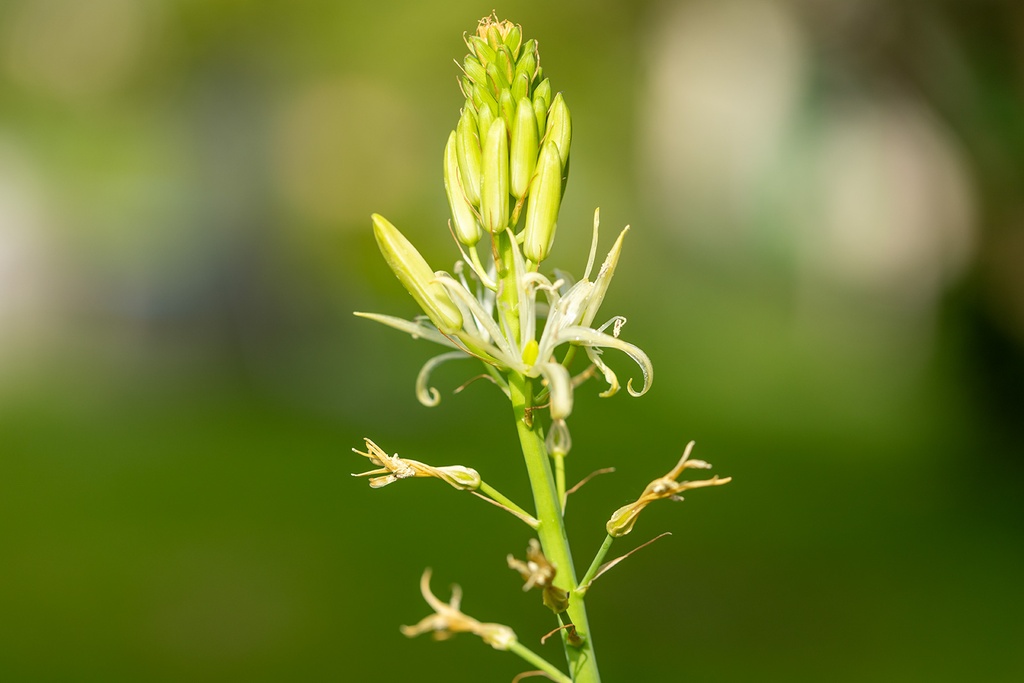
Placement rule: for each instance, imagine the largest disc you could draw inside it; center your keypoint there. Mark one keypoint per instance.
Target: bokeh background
(826, 267)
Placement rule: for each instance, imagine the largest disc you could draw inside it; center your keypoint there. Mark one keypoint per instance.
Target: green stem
(544, 665)
(551, 532)
(560, 479)
(496, 495)
(595, 565)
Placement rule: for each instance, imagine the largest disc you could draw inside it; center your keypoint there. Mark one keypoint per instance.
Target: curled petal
(591, 338)
(428, 395)
(417, 328)
(559, 388)
(609, 375)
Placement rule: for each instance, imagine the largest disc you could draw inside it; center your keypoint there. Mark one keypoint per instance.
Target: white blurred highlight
(868, 198)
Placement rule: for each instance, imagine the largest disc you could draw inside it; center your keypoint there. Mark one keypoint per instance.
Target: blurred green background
(826, 267)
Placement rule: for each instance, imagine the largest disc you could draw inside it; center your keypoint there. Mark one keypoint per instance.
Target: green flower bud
(475, 70)
(497, 77)
(467, 230)
(482, 98)
(507, 108)
(494, 38)
(467, 146)
(520, 87)
(480, 49)
(542, 208)
(540, 113)
(523, 152)
(528, 62)
(506, 64)
(513, 39)
(543, 92)
(559, 127)
(484, 118)
(494, 181)
(416, 276)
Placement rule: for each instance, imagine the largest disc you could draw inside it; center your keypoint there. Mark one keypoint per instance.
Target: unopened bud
(523, 153)
(494, 178)
(467, 230)
(480, 49)
(499, 80)
(559, 127)
(482, 98)
(543, 92)
(528, 62)
(475, 70)
(542, 208)
(467, 148)
(416, 276)
(507, 108)
(513, 40)
(520, 87)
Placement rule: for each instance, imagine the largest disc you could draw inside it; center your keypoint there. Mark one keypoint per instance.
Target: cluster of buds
(510, 148)
(505, 169)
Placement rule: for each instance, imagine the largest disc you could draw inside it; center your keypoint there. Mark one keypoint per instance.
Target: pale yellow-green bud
(482, 98)
(499, 80)
(543, 92)
(467, 146)
(513, 39)
(542, 207)
(559, 127)
(484, 119)
(494, 178)
(523, 153)
(505, 64)
(528, 62)
(507, 108)
(520, 87)
(416, 276)
(475, 70)
(540, 113)
(467, 230)
(479, 47)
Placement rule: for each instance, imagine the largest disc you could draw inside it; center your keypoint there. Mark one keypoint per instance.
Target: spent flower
(623, 519)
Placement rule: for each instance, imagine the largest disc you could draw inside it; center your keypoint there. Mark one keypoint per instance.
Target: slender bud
(507, 108)
(506, 64)
(528, 62)
(543, 92)
(467, 146)
(559, 127)
(416, 276)
(484, 119)
(480, 49)
(540, 113)
(523, 153)
(467, 230)
(475, 70)
(498, 79)
(482, 99)
(520, 87)
(494, 181)
(513, 39)
(542, 208)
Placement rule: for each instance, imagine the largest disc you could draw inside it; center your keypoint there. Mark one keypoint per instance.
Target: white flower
(563, 311)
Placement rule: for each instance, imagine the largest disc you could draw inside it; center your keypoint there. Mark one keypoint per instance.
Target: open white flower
(563, 312)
